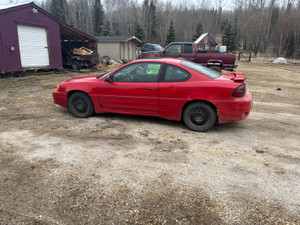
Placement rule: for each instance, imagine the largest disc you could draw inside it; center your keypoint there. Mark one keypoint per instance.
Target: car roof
(160, 60)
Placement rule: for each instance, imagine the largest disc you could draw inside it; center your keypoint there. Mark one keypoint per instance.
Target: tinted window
(174, 73)
(188, 48)
(201, 69)
(138, 72)
(176, 48)
(147, 46)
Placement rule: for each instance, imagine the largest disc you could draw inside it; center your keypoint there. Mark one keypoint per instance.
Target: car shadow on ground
(139, 119)
(227, 127)
(234, 126)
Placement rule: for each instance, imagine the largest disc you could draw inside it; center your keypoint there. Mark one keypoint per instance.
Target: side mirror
(109, 78)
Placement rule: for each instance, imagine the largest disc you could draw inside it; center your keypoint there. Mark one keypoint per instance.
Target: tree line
(259, 26)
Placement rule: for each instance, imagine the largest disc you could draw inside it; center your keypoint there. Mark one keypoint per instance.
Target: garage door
(33, 45)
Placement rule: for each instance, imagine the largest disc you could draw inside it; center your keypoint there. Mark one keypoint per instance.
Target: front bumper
(60, 98)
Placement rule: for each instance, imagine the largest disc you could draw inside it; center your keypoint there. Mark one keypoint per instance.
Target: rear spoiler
(237, 76)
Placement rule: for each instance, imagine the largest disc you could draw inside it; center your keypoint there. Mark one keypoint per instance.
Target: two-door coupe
(170, 88)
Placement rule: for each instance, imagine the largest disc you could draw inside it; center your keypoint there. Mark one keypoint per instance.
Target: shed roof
(117, 39)
(67, 30)
(11, 5)
(203, 36)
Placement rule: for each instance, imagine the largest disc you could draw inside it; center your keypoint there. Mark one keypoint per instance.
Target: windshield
(201, 69)
(157, 47)
(104, 74)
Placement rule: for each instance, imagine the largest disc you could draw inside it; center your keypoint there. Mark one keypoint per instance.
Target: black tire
(199, 116)
(81, 105)
(106, 58)
(216, 68)
(76, 65)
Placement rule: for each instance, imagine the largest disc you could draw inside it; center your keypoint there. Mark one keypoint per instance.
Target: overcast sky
(226, 3)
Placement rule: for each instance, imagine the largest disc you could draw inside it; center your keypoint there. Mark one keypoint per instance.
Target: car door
(173, 51)
(188, 53)
(131, 89)
(173, 91)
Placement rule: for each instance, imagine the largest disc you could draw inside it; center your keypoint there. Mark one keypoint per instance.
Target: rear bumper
(229, 67)
(234, 110)
(59, 98)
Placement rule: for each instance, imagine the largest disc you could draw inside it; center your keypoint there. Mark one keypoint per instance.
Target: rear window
(188, 48)
(201, 69)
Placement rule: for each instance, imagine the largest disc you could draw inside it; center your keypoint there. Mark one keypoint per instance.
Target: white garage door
(33, 45)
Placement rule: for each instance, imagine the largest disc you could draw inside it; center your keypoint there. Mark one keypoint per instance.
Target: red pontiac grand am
(170, 88)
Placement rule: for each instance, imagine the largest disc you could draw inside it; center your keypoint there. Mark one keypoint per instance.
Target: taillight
(239, 91)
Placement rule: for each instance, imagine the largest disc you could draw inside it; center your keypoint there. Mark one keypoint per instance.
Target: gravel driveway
(121, 169)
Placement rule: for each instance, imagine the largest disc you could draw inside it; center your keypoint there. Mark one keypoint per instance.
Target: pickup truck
(192, 52)
(151, 47)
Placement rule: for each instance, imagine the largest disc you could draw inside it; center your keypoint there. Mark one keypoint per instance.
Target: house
(31, 38)
(206, 42)
(118, 47)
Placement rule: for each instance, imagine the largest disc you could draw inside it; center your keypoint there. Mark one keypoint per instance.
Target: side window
(176, 48)
(188, 48)
(176, 74)
(138, 72)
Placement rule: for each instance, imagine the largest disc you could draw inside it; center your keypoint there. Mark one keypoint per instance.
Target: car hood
(82, 79)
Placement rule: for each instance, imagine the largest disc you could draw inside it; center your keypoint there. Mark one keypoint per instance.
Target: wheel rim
(80, 105)
(199, 116)
(75, 66)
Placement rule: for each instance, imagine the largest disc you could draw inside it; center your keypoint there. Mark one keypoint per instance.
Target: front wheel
(199, 117)
(81, 105)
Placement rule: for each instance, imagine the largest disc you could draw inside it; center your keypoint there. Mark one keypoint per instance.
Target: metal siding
(109, 49)
(8, 27)
(33, 43)
(1, 56)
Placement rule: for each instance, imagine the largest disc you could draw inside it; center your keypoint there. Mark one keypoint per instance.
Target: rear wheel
(81, 105)
(199, 116)
(216, 68)
(76, 65)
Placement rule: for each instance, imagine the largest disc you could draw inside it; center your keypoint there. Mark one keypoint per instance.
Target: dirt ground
(120, 169)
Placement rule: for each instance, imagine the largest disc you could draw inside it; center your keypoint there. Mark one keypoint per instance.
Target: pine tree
(274, 16)
(146, 19)
(171, 37)
(198, 31)
(98, 17)
(138, 31)
(229, 38)
(152, 15)
(149, 20)
(107, 29)
(58, 8)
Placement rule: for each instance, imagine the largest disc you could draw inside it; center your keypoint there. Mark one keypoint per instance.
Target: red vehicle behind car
(169, 88)
(191, 52)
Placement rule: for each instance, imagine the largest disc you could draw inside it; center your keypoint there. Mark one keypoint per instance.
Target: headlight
(57, 87)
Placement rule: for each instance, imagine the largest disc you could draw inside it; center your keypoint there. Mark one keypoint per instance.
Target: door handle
(149, 89)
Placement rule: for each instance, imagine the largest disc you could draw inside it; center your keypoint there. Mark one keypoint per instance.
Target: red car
(170, 88)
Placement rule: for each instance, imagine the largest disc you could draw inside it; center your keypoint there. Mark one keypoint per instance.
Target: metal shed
(206, 42)
(118, 47)
(31, 38)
